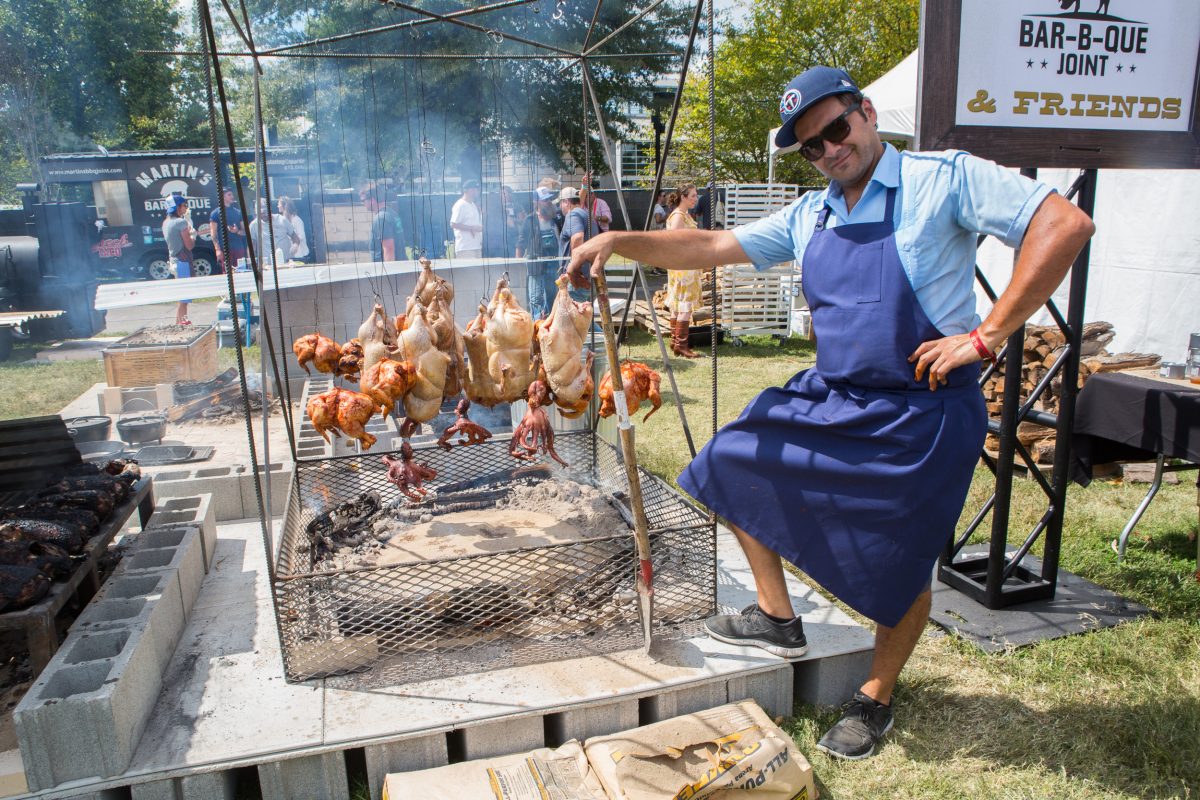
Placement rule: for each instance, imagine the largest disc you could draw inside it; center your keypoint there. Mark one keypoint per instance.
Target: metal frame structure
(997, 580)
(685, 537)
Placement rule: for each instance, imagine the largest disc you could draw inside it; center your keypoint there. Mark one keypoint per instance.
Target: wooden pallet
(755, 301)
(37, 621)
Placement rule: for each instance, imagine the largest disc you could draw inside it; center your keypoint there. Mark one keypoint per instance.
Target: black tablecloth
(1120, 417)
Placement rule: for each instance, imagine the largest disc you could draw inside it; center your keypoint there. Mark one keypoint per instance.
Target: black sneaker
(864, 722)
(752, 626)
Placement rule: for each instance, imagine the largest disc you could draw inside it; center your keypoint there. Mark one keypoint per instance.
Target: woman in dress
(683, 287)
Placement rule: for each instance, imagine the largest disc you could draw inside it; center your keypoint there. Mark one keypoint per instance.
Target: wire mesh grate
(450, 615)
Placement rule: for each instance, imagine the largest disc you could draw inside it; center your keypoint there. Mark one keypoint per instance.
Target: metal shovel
(645, 574)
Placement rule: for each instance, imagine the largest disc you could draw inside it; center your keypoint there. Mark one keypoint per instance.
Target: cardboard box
(718, 754)
(542, 774)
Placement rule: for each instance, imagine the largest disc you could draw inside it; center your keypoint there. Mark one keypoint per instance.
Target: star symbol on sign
(1120, 67)
(1132, 68)
(1029, 64)
(1043, 63)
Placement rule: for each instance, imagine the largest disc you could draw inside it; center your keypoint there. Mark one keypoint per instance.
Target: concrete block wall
(232, 489)
(84, 715)
(194, 511)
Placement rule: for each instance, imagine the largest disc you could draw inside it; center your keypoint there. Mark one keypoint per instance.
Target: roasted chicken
(351, 363)
(378, 337)
(341, 411)
(473, 432)
(321, 351)
(480, 387)
(428, 285)
(535, 433)
(447, 339)
(388, 382)
(417, 347)
(641, 385)
(560, 343)
(509, 335)
(408, 475)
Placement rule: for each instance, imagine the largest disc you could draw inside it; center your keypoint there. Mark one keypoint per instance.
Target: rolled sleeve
(770, 240)
(994, 200)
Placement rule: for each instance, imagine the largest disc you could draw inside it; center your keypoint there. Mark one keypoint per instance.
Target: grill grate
(453, 615)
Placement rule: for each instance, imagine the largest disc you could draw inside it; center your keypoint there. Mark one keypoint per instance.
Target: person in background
(386, 233)
(260, 234)
(467, 221)
(596, 205)
(555, 186)
(538, 242)
(835, 470)
(300, 241)
(684, 292)
(510, 216)
(177, 232)
(659, 220)
(578, 227)
(237, 232)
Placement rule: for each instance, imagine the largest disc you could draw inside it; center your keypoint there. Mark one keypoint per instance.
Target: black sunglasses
(835, 132)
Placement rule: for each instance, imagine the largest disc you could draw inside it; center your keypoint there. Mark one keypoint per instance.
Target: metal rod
(592, 27)
(1004, 471)
(632, 20)
(472, 26)
(610, 157)
(1142, 506)
(405, 56)
(1015, 561)
(411, 23)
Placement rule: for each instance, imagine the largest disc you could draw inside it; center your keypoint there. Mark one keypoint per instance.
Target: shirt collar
(886, 174)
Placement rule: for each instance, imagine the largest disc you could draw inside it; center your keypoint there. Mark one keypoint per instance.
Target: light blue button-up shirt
(945, 200)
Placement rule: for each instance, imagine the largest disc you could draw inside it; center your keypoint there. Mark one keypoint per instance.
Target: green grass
(1111, 714)
(31, 390)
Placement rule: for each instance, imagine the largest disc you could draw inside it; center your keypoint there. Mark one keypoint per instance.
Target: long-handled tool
(645, 575)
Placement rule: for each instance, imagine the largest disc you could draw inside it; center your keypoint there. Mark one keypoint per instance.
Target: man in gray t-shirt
(177, 231)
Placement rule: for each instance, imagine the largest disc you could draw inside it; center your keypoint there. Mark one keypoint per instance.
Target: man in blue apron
(856, 470)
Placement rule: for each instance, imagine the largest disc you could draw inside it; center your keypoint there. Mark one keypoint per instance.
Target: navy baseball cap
(173, 202)
(806, 90)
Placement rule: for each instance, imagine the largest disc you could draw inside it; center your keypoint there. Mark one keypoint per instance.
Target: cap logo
(847, 84)
(790, 101)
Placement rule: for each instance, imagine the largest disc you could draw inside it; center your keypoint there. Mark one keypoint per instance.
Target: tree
(755, 61)
(71, 77)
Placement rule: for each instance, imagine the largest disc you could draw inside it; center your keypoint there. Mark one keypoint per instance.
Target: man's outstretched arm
(678, 250)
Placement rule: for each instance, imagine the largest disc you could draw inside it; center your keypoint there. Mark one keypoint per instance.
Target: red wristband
(981, 348)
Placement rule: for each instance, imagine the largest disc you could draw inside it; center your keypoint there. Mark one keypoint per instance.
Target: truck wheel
(157, 267)
(6, 343)
(202, 265)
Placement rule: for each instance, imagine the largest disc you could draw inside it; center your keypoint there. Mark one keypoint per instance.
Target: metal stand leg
(1141, 509)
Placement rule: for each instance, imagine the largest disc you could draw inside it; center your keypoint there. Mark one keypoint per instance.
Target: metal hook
(558, 13)
(496, 36)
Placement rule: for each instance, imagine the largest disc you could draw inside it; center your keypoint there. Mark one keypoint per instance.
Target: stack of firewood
(1043, 347)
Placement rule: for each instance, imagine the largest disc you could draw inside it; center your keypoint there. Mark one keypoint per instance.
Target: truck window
(112, 202)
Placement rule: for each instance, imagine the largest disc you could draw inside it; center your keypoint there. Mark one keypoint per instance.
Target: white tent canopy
(1145, 259)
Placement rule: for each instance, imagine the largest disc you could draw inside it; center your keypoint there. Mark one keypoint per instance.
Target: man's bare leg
(767, 567)
(893, 646)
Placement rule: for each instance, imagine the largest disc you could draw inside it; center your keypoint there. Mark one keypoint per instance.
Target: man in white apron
(856, 470)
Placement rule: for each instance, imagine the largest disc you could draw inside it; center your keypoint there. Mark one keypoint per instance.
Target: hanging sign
(1084, 83)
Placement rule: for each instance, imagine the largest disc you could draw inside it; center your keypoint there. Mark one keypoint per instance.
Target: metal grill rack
(447, 616)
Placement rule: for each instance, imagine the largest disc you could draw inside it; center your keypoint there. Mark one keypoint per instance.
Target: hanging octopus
(535, 433)
(473, 431)
(408, 475)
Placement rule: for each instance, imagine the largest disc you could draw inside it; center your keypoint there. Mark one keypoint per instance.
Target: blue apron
(853, 471)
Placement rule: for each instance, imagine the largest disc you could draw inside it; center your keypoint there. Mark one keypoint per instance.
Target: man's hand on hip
(941, 356)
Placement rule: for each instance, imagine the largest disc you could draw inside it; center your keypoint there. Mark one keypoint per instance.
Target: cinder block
(197, 510)
(222, 483)
(831, 681)
(151, 602)
(320, 777)
(771, 690)
(84, 716)
(594, 720)
(407, 755)
(500, 738)
(209, 786)
(177, 549)
(281, 478)
(154, 790)
(687, 700)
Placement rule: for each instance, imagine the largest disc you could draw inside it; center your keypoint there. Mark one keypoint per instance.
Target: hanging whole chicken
(480, 387)
(509, 335)
(428, 286)
(417, 348)
(641, 385)
(342, 411)
(387, 382)
(319, 350)
(560, 341)
(378, 337)
(447, 339)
